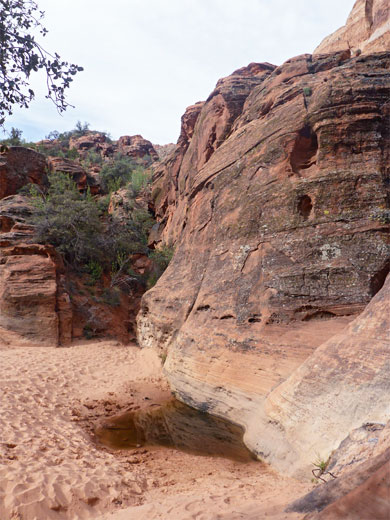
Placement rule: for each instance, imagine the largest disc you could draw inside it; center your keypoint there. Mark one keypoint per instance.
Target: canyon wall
(277, 199)
(367, 30)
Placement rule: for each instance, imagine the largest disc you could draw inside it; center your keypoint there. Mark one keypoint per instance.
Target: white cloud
(146, 60)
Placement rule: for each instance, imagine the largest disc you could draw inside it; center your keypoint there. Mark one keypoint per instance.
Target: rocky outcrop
(359, 494)
(33, 300)
(281, 238)
(71, 168)
(367, 30)
(164, 150)
(165, 178)
(92, 141)
(342, 386)
(20, 166)
(44, 303)
(204, 127)
(136, 146)
(80, 176)
(98, 142)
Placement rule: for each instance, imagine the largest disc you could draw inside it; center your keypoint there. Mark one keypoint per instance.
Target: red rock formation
(342, 386)
(91, 141)
(367, 30)
(164, 150)
(33, 299)
(20, 166)
(81, 177)
(204, 128)
(73, 169)
(278, 231)
(165, 179)
(133, 146)
(46, 304)
(360, 494)
(136, 146)
(369, 500)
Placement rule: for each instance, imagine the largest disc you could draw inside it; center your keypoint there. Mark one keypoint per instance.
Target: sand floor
(51, 468)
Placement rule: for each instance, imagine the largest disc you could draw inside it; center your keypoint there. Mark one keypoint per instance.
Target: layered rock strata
(278, 206)
(367, 30)
(33, 300)
(83, 179)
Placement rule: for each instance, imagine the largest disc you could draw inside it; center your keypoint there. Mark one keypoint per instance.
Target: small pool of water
(175, 425)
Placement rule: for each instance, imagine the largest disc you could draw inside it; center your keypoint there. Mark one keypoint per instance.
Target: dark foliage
(21, 55)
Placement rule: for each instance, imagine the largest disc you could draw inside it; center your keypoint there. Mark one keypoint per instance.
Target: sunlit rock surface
(367, 30)
(281, 234)
(33, 300)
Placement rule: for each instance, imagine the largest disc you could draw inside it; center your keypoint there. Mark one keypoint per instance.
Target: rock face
(92, 141)
(204, 127)
(33, 300)
(136, 146)
(359, 494)
(133, 146)
(342, 386)
(44, 303)
(83, 179)
(20, 166)
(367, 30)
(277, 202)
(164, 150)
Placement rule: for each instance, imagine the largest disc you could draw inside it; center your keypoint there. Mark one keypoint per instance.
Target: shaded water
(175, 425)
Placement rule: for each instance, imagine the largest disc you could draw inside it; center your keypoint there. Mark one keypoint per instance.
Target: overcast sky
(145, 61)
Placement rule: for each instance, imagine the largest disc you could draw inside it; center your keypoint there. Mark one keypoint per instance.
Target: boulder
(20, 166)
(137, 147)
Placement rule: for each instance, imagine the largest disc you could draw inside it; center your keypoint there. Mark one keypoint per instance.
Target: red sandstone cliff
(277, 198)
(367, 29)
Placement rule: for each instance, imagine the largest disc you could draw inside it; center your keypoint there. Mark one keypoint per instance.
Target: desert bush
(93, 158)
(95, 270)
(140, 178)
(112, 296)
(116, 173)
(123, 171)
(73, 223)
(68, 220)
(161, 258)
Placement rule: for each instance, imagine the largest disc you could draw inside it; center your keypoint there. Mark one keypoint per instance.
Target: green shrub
(162, 256)
(140, 178)
(121, 171)
(116, 173)
(95, 269)
(72, 154)
(103, 204)
(68, 220)
(93, 158)
(88, 332)
(112, 297)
